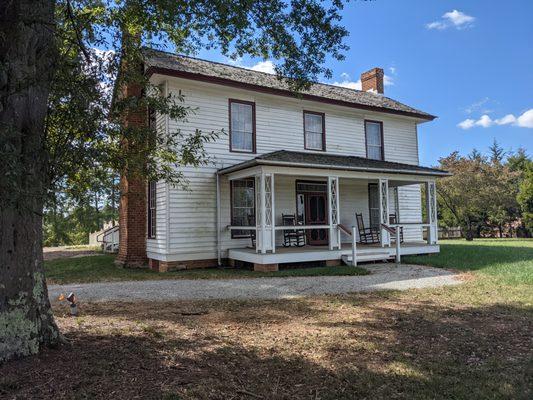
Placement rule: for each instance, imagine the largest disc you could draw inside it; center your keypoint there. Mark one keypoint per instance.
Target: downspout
(219, 260)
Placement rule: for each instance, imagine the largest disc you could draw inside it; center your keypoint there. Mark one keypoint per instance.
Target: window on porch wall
(242, 206)
(373, 205)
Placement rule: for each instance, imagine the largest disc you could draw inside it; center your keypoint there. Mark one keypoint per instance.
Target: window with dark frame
(314, 131)
(151, 209)
(242, 126)
(374, 140)
(373, 205)
(242, 206)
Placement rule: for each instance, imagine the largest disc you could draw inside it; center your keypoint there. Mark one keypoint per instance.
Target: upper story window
(151, 209)
(374, 140)
(314, 131)
(242, 126)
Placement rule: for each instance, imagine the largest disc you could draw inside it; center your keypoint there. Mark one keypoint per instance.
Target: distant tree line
(488, 194)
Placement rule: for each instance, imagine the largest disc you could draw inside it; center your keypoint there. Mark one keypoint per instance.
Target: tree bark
(27, 59)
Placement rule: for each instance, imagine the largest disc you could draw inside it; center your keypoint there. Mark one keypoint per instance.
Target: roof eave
(254, 162)
(280, 92)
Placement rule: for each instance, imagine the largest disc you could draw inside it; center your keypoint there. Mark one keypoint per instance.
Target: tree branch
(72, 18)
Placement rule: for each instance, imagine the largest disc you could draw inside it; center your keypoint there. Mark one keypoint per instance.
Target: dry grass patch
(413, 345)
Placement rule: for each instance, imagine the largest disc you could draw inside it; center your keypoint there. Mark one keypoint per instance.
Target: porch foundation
(165, 266)
(266, 267)
(333, 263)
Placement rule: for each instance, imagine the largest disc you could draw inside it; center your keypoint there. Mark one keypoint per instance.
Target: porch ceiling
(330, 161)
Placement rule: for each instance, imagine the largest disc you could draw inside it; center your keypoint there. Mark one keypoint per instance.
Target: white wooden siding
(190, 218)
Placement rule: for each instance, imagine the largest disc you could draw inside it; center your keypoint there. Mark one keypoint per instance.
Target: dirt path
(382, 277)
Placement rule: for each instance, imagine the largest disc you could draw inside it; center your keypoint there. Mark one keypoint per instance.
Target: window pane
(373, 203)
(373, 140)
(313, 123)
(314, 141)
(243, 206)
(314, 134)
(374, 152)
(241, 126)
(373, 133)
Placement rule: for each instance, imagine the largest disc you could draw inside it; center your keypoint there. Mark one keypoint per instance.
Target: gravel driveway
(382, 277)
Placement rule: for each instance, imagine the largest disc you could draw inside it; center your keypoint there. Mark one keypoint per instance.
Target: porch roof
(331, 161)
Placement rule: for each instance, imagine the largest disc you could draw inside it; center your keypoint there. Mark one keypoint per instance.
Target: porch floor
(321, 253)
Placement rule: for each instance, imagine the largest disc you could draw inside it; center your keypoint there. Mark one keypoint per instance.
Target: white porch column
(431, 208)
(264, 213)
(333, 212)
(383, 194)
(272, 214)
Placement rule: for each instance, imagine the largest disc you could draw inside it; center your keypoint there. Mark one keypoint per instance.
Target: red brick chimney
(132, 209)
(372, 80)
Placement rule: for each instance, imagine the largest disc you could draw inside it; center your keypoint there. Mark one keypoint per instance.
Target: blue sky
(460, 60)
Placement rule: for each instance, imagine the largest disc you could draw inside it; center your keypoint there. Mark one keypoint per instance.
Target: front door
(316, 214)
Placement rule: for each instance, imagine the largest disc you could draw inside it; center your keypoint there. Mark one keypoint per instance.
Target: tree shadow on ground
(343, 347)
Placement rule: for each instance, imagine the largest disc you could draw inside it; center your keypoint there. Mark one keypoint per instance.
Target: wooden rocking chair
(366, 235)
(292, 237)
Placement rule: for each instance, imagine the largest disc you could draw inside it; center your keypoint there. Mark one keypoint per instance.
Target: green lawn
(511, 260)
(501, 270)
(98, 268)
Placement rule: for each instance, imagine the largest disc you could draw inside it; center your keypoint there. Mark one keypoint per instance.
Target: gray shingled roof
(168, 63)
(331, 161)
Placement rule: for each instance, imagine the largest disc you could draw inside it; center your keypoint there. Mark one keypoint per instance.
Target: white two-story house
(328, 175)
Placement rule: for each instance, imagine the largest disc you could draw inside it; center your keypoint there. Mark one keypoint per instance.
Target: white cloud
(392, 70)
(484, 121)
(345, 76)
(525, 120)
(454, 18)
(436, 25)
(234, 61)
(467, 124)
(508, 119)
(476, 106)
(458, 18)
(264, 66)
(347, 82)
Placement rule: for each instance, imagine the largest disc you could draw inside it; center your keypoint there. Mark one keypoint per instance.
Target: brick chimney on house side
(372, 80)
(132, 209)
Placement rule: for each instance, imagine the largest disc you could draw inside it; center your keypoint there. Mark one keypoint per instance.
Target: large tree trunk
(27, 59)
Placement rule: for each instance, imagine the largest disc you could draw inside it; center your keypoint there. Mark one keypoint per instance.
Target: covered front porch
(322, 203)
